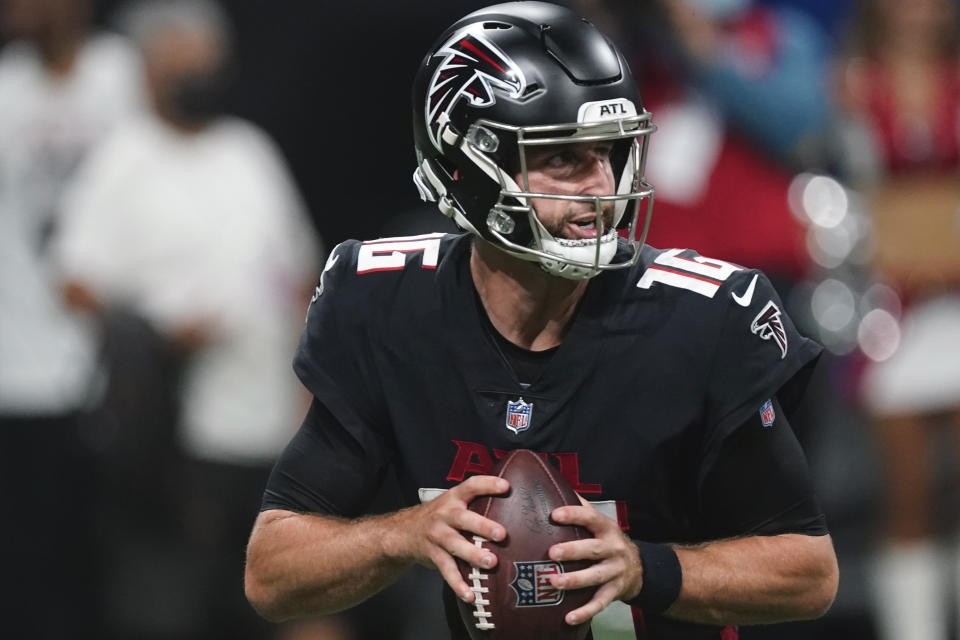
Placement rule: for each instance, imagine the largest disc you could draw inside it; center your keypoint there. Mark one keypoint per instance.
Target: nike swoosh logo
(744, 300)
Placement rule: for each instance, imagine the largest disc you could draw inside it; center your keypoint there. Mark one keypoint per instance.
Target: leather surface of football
(515, 600)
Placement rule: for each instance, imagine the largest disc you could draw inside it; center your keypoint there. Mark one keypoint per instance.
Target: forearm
(302, 564)
(756, 580)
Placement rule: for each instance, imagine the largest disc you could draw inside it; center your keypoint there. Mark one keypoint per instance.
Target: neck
(183, 127)
(528, 306)
(59, 52)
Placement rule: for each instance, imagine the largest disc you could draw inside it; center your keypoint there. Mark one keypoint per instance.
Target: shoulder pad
(684, 270)
(363, 272)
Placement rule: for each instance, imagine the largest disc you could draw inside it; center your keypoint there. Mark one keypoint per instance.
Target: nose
(598, 178)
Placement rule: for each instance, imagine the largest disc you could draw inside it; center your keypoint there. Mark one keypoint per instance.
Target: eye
(561, 159)
(603, 149)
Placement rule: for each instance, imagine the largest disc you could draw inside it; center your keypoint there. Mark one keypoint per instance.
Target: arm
(299, 564)
(757, 580)
(307, 564)
(771, 559)
(763, 568)
(749, 580)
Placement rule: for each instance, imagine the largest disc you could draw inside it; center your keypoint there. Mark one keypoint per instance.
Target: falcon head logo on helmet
(471, 68)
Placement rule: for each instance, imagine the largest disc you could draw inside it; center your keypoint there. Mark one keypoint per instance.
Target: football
(515, 600)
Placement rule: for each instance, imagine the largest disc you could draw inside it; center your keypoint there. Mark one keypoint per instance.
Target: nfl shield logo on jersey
(766, 413)
(518, 415)
(532, 584)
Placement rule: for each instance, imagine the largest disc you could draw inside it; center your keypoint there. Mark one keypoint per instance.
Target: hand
(437, 529)
(193, 335)
(80, 297)
(618, 570)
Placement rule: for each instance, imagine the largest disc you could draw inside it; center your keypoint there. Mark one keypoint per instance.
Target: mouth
(585, 227)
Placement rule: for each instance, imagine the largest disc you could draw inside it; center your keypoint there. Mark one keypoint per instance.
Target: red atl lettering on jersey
(472, 457)
(569, 465)
(475, 458)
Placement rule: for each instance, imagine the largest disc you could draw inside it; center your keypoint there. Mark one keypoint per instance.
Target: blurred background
(172, 174)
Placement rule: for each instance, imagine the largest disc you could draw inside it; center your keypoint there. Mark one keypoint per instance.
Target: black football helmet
(517, 75)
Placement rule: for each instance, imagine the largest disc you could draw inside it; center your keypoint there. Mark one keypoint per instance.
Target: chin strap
(579, 250)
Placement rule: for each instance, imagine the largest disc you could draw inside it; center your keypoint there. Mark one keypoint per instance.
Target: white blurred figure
(190, 219)
(62, 88)
(899, 94)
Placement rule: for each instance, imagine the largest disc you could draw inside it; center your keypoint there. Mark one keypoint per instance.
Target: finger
(470, 550)
(601, 599)
(447, 567)
(474, 523)
(587, 549)
(480, 486)
(584, 515)
(595, 574)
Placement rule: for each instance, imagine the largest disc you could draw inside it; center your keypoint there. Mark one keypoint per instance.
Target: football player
(658, 381)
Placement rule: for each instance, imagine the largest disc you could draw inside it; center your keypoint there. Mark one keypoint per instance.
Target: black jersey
(659, 367)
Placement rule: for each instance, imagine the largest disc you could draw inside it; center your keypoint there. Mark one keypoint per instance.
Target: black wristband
(662, 577)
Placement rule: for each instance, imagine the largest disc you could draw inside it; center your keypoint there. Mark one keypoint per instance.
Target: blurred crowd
(169, 167)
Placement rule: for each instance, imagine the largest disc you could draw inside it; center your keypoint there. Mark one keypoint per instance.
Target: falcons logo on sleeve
(769, 326)
(471, 69)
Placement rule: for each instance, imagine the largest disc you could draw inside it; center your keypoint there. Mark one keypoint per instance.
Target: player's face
(174, 54)
(572, 169)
